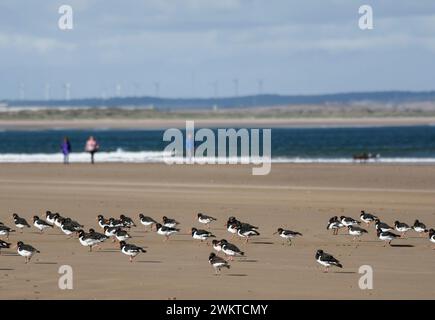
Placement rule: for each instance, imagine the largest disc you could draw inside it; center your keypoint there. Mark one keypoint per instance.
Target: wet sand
(299, 197)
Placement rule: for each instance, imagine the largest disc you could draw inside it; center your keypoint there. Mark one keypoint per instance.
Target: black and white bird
(4, 231)
(334, 224)
(147, 221)
(232, 227)
(401, 227)
(384, 227)
(217, 245)
(166, 231)
(348, 221)
(201, 235)
(386, 236)
(102, 222)
(68, 227)
(110, 232)
(356, 231)
(72, 223)
(58, 220)
(230, 249)
(432, 237)
(130, 250)
(4, 245)
(204, 219)
(90, 239)
(419, 227)
(128, 222)
(115, 223)
(287, 234)
(41, 225)
(20, 223)
(327, 260)
(246, 232)
(218, 263)
(49, 217)
(170, 223)
(232, 220)
(367, 218)
(121, 235)
(26, 251)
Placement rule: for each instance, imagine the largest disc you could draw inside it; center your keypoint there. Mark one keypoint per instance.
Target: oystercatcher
(432, 237)
(170, 223)
(41, 225)
(130, 250)
(49, 217)
(401, 227)
(327, 260)
(367, 218)
(202, 235)
(384, 227)
(204, 219)
(26, 251)
(230, 249)
(91, 239)
(247, 233)
(20, 223)
(287, 234)
(386, 236)
(128, 222)
(218, 263)
(166, 231)
(4, 245)
(356, 231)
(334, 224)
(348, 221)
(147, 221)
(4, 231)
(419, 227)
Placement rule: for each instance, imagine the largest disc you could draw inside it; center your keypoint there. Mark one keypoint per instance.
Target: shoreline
(212, 123)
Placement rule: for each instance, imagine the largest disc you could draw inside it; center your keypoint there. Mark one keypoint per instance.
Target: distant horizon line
(233, 97)
(270, 99)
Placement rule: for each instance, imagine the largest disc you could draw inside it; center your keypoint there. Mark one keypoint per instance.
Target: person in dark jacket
(65, 147)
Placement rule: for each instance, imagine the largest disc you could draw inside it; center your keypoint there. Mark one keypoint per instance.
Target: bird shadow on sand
(6, 269)
(236, 275)
(402, 246)
(107, 250)
(40, 262)
(248, 260)
(262, 242)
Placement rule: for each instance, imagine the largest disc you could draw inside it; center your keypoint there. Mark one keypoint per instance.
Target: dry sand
(237, 122)
(300, 197)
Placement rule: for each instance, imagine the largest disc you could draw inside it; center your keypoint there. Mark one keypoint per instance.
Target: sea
(405, 144)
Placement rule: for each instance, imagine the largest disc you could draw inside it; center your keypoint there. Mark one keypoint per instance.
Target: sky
(206, 48)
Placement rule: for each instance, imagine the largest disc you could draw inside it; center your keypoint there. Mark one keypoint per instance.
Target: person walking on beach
(91, 147)
(65, 147)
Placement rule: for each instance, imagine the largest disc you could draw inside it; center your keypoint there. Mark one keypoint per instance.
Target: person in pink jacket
(92, 147)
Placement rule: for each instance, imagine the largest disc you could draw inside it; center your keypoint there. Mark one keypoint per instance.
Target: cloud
(135, 41)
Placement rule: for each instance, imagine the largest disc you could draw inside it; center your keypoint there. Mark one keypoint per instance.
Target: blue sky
(192, 47)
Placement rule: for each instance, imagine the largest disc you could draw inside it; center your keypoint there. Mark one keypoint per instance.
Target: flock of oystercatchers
(118, 230)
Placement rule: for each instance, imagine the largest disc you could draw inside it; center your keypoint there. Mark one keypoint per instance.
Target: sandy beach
(298, 197)
(213, 123)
